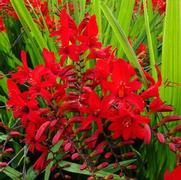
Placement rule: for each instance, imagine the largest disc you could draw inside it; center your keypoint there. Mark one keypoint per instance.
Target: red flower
(67, 33)
(23, 73)
(130, 126)
(153, 90)
(174, 175)
(40, 163)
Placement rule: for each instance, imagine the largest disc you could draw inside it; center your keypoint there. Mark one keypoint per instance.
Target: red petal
(157, 105)
(92, 28)
(49, 57)
(24, 59)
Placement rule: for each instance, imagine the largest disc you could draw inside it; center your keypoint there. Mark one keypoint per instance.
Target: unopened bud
(3, 164)
(172, 147)
(102, 165)
(14, 134)
(128, 154)
(132, 166)
(115, 165)
(121, 174)
(108, 155)
(9, 150)
(109, 177)
(75, 156)
(83, 166)
(67, 147)
(160, 137)
(90, 178)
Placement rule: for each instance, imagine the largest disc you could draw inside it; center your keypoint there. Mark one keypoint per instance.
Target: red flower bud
(102, 165)
(172, 147)
(109, 177)
(90, 178)
(83, 166)
(9, 150)
(67, 147)
(128, 154)
(108, 155)
(3, 164)
(75, 156)
(14, 133)
(160, 137)
(132, 166)
(121, 174)
(115, 165)
(170, 119)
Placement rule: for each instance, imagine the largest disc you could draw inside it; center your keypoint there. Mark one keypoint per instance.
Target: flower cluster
(158, 5)
(92, 105)
(39, 8)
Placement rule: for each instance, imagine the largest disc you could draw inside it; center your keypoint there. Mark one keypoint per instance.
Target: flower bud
(160, 137)
(67, 147)
(14, 134)
(75, 156)
(83, 166)
(3, 164)
(108, 155)
(132, 166)
(172, 147)
(109, 177)
(102, 165)
(9, 150)
(128, 155)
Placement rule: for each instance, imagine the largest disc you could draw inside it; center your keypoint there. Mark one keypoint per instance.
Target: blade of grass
(75, 168)
(124, 18)
(171, 54)
(29, 24)
(97, 10)
(149, 39)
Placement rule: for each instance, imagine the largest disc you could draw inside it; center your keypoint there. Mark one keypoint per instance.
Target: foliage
(80, 87)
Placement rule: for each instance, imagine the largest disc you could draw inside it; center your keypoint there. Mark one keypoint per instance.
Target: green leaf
(31, 174)
(125, 13)
(97, 10)
(111, 168)
(29, 25)
(54, 149)
(171, 54)
(75, 168)
(12, 173)
(3, 137)
(149, 38)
